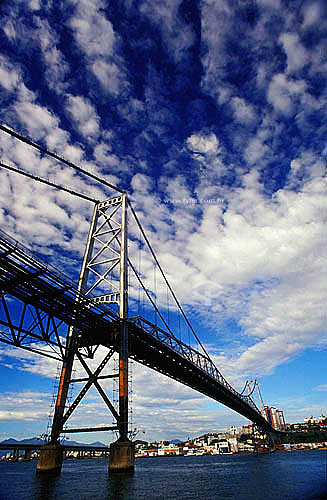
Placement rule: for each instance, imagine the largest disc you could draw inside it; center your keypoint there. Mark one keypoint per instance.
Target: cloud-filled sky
(212, 115)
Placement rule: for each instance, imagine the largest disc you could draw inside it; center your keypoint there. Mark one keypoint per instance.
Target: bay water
(300, 475)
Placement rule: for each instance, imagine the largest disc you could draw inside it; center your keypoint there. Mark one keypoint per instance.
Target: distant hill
(35, 440)
(176, 441)
(38, 441)
(96, 443)
(9, 441)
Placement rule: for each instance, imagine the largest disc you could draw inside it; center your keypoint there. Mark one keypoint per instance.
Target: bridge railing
(198, 359)
(27, 262)
(22, 253)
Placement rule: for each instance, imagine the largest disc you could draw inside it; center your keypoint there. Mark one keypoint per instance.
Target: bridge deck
(36, 283)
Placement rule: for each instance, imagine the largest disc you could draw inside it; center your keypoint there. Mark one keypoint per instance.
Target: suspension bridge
(117, 303)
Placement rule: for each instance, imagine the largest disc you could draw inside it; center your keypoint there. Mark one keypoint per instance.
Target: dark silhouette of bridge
(39, 301)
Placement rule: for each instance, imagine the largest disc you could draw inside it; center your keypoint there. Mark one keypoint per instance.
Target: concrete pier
(122, 455)
(50, 459)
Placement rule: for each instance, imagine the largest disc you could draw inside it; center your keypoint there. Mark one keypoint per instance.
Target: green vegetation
(309, 436)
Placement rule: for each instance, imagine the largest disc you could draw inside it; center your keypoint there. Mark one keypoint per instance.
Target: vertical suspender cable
(167, 283)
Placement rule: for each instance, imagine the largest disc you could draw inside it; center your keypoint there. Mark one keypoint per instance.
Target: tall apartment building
(274, 416)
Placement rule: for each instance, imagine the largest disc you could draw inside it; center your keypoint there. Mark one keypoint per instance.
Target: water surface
(297, 475)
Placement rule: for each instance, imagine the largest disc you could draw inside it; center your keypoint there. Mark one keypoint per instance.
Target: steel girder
(169, 356)
(37, 284)
(38, 302)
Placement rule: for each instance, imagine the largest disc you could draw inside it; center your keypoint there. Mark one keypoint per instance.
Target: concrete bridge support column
(121, 456)
(50, 459)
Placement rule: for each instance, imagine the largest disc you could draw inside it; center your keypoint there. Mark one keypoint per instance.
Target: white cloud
(44, 39)
(263, 357)
(38, 214)
(109, 75)
(321, 388)
(24, 407)
(94, 33)
(56, 66)
(217, 19)
(277, 242)
(84, 116)
(255, 150)
(275, 4)
(38, 120)
(178, 36)
(297, 55)
(243, 111)
(10, 76)
(307, 166)
(96, 38)
(312, 13)
(206, 144)
(10, 30)
(34, 5)
(283, 93)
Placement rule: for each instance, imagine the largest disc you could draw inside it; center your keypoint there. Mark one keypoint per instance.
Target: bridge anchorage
(96, 312)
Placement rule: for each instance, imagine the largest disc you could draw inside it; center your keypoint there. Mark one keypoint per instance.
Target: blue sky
(219, 102)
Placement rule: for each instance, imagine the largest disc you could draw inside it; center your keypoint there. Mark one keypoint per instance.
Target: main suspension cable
(59, 158)
(49, 183)
(102, 181)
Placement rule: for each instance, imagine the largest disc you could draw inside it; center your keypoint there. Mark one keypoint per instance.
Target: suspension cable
(155, 292)
(167, 294)
(139, 285)
(49, 183)
(102, 181)
(164, 276)
(179, 325)
(59, 158)
(150, 298)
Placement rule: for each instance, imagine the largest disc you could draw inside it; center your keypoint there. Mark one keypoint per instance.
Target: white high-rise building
(275, 417)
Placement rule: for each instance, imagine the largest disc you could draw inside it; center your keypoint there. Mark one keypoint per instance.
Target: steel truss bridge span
(52, 294)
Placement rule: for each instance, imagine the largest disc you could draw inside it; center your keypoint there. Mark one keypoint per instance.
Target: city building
(274, 416)
(311, 420)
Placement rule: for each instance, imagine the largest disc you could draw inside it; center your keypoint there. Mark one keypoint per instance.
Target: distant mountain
(32, 440)
(97, 443)
(176, 441)
(38, 441)
(9, 441)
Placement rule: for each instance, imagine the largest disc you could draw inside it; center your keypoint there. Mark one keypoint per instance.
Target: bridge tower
(103, 280)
